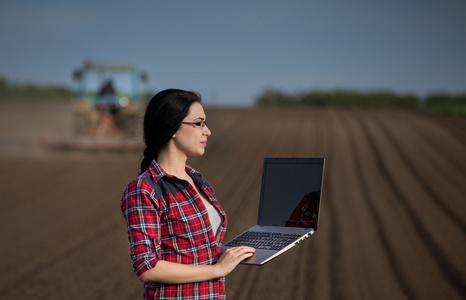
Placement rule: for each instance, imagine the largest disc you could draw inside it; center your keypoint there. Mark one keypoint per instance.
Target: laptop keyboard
(264, 240)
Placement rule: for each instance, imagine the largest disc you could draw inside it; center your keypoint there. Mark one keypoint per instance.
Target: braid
(149, 155)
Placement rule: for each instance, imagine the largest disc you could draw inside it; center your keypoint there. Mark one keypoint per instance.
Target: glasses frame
(200, 124)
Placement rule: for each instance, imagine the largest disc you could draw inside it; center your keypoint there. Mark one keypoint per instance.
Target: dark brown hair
(164, 115)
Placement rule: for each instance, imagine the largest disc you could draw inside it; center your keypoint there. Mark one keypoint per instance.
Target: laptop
(289, 208)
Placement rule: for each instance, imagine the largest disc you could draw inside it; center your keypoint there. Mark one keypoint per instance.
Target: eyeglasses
(200, 124)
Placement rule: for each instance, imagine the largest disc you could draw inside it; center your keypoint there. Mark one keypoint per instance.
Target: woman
(175, 224)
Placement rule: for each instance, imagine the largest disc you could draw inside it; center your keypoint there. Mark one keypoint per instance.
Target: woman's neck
(172, 164)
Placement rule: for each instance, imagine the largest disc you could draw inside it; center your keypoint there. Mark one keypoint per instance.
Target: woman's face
(191, 137)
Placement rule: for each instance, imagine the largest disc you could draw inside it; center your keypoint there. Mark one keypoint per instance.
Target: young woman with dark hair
(175, 223)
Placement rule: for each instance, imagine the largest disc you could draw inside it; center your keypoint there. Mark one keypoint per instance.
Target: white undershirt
(215, 218)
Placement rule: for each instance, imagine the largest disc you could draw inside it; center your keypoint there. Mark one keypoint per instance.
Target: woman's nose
(207, 131)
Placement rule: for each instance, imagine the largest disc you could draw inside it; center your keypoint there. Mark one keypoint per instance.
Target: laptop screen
(291, 191)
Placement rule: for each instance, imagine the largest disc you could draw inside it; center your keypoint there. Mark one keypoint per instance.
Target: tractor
(103, 110)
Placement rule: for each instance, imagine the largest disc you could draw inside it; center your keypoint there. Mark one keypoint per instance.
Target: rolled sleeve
(140, 209)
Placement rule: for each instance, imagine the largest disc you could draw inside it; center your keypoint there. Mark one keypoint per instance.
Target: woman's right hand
(231, 257)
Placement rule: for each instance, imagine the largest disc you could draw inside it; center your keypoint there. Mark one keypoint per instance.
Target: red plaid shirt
(166, 219)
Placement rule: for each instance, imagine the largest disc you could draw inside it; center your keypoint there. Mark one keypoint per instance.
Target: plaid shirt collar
(158, 173)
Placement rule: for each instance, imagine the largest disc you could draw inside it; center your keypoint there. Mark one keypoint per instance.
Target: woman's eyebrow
(199, 118)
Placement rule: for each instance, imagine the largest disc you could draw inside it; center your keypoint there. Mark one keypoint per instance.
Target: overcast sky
(230, 51)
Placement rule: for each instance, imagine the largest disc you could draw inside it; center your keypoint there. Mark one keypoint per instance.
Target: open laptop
(288, 210)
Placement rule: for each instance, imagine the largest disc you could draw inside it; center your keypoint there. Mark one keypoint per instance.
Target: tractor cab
(108, 100)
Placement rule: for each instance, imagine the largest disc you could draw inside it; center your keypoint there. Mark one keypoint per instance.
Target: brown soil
(392, 226)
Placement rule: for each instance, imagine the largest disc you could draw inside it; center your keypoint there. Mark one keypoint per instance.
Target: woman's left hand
(231, 257)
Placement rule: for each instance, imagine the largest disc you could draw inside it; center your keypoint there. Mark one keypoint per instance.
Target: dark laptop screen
(291, 191)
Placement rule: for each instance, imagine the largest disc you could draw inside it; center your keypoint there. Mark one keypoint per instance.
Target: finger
(245, 255)
(240, 256)
(244, 248)
(249, 254)
(247, 249)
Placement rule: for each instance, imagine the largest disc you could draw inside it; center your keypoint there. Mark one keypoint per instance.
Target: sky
(231, 51)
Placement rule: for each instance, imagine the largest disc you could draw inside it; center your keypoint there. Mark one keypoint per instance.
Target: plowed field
(392, 224)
